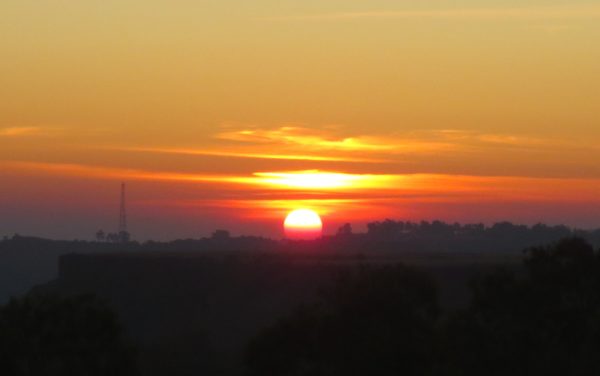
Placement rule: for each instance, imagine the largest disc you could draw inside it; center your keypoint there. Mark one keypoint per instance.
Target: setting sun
(303, 224)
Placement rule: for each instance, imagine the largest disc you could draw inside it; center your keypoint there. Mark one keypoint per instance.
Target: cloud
(20, 131)
(339, 184)
(326, 145)
(473, 138)
(28, 131)
(583, 11)
(329, 147)
(304, 144)
(317, 140)
(337, 194)
(277, 208)
(312, 180)
(512, 140)
(249, 154)
(247, 149)
(320, 180)
(304, 137)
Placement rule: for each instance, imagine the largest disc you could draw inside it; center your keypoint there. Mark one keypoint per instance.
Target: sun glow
(303, 224)
(314, 179)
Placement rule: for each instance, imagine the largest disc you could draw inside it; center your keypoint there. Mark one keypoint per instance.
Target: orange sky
(229, 114)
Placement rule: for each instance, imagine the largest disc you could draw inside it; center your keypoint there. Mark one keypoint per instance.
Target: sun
(303, 224)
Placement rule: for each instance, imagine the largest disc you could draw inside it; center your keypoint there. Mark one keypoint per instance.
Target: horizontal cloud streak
(591, 11)
(250, 155)
(340, 196)
(303, 136)
(327, 141)
(20, 131)
(428, 151)
(337, 184)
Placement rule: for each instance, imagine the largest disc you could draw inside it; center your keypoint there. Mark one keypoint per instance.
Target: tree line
(542, 320)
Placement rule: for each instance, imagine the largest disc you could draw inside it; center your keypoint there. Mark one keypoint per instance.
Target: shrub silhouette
(49, 335)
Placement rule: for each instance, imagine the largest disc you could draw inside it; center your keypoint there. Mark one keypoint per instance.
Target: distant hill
(27, 261)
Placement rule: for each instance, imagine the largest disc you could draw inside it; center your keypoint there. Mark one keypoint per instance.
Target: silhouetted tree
(220, 235)
(112, 237)
(48, 335)
(123, 237)
(379, 321)
(100, 236)
(545, 322)
(345, 230)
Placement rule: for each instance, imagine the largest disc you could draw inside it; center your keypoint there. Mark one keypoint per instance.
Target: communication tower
(123, 233)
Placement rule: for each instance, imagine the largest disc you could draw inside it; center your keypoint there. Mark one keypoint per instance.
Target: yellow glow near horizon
(368, 186)
(314, 179)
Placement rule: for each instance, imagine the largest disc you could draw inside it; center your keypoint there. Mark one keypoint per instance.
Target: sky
(230, 113)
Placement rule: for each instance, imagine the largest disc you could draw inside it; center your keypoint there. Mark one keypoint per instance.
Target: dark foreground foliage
(49, 335)
(541, 320)
(546, 322)
(373, 323)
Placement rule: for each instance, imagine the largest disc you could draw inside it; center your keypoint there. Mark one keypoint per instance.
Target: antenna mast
(122, 212)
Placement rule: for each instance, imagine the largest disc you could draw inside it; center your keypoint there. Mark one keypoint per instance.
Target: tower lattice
(122, 212)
